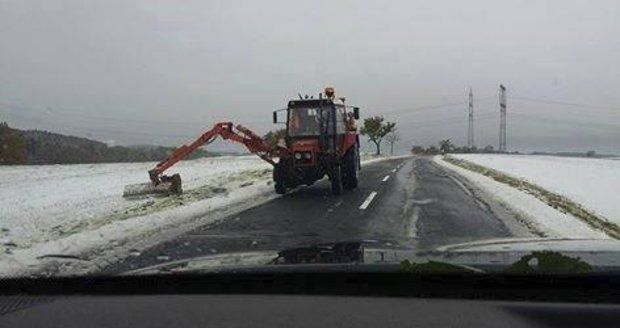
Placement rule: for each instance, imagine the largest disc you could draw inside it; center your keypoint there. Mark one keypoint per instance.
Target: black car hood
(362, 255)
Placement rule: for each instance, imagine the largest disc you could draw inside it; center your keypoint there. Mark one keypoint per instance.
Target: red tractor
(320, 139)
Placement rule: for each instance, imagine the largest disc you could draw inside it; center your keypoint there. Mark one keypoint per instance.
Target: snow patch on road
(534, 213)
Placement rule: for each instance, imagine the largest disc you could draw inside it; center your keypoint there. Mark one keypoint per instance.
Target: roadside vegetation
(446, 146)
(274, 136)
(376, 129)
(12, 146)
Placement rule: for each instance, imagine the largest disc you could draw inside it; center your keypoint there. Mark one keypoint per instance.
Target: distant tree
(432, 150)
(274, 136)
(13, 148)
(591, 153)
(375, 130)
(488, 149)
(417, 150)
(392, 138)
(446, 146)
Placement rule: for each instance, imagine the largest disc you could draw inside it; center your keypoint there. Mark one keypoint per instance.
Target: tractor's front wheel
(280, 188)
(336, 180)
(280, 178)
(350, 169)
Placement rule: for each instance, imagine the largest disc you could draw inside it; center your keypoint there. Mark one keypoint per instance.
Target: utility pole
(470, 131)
(502, 120)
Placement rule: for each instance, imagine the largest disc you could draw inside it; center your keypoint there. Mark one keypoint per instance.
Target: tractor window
(340, 121)
(303, 122)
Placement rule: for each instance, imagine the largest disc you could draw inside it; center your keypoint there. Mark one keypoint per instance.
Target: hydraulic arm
(227, 131)
(254, 143)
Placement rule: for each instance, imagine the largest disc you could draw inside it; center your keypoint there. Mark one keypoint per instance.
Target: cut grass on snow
(554, 200)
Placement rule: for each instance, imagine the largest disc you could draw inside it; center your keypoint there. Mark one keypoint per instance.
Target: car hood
(362, 255)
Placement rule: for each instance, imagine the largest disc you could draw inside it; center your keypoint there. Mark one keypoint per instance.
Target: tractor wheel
(350, 169)
(336, 180)
(280, 188)
(280, 178)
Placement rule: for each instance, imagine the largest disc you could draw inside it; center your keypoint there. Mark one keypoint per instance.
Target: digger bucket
(168, 185)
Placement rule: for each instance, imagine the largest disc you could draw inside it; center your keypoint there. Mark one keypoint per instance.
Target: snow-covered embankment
(584, 185)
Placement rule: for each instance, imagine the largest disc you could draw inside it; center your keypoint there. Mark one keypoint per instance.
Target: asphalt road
(410, 201)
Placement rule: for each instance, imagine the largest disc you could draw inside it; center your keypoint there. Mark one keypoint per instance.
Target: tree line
(43, 147)
(446, 146)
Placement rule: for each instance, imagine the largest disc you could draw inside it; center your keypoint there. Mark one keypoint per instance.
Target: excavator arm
(254, 143)
(162, 184)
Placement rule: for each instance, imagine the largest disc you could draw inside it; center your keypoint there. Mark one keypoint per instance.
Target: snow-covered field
(67, 209)
(592, 182)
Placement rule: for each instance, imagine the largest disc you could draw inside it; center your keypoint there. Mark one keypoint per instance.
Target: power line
(444, 121)
(422, 108)
(556, 120)
(564, 103)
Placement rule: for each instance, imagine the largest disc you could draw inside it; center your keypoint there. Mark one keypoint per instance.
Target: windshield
(304, 121)
(136, 134)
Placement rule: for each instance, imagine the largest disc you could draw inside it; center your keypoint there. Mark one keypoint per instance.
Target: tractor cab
(321, 138)
(319, 124)
(313, 118)
(322, 122)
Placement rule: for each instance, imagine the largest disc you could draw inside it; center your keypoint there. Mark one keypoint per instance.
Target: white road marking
(386, 178)
(368, 200)
(394, 170)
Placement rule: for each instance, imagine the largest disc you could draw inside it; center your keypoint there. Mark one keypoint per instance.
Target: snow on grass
(39, 200)
(591, 182)
(64, 209)
(532, 212)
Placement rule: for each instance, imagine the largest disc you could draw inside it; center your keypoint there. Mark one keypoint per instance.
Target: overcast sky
(159, 72)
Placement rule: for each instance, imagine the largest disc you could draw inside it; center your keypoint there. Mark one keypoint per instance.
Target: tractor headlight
(307, 155)
(297, 155)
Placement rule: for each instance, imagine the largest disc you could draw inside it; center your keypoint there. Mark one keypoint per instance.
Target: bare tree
(392, 138)
(446, 146)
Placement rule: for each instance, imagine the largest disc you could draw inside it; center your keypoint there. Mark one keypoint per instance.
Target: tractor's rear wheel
(336, 180)
(350, 169)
